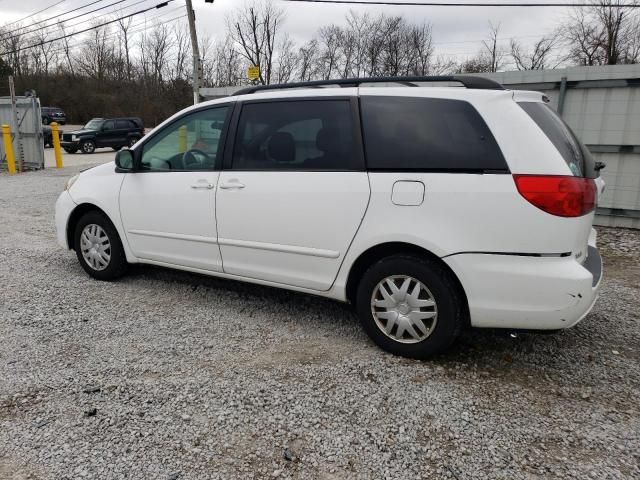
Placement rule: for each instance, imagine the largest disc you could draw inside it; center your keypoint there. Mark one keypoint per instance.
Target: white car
(429, 208)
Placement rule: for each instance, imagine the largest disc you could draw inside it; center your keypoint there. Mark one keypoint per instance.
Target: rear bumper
(523, 292)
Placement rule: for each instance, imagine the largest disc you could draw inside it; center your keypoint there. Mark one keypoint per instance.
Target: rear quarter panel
(464, 212)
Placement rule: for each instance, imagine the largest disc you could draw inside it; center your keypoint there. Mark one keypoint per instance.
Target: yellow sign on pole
(253, 72)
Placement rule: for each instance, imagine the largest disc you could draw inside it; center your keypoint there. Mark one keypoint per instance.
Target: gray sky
(457, 31)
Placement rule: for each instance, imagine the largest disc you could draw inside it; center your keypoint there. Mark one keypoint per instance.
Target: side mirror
(124, 161)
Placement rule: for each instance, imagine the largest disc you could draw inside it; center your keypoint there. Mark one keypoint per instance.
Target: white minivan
(429, 208)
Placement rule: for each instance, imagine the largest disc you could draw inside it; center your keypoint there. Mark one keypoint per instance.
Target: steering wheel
(190, 158)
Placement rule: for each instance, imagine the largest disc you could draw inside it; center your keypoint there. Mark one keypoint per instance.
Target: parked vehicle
(47, 138)
(53, 114)
(430, 209)
(104, 132)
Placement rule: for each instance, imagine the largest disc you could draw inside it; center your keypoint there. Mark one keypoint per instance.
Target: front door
(168, 206)
(294, 193)
(105, 137)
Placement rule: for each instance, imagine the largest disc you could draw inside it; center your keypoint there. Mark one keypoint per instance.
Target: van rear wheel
(410, 306)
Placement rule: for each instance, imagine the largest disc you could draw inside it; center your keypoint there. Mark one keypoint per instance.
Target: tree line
(122, 69)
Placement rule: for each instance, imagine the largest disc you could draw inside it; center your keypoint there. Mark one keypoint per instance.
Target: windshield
(94, 124)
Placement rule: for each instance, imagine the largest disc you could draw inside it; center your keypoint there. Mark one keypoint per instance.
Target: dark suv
(53, 114)
(104, 132)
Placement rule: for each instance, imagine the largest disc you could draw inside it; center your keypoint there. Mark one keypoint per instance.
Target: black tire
(116, 148)
(444, 290)
(71, 150)
(46, 121)
(117, 264)
(132, 141)
(87, 146)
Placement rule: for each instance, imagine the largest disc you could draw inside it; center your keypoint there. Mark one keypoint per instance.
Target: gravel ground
(169, 375)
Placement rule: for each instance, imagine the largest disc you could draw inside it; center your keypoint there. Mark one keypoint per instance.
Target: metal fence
(602, 105)
(27, 138)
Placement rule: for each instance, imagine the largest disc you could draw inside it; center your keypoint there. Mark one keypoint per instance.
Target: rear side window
(574, 153)
(427, 134)
(295, 135)
(123, 124)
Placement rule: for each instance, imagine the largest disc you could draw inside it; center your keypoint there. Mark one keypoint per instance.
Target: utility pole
(197, 68)
(16, 123)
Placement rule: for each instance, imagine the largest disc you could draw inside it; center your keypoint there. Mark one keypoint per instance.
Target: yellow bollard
(55, 136)
(8, 149)
(182, 139)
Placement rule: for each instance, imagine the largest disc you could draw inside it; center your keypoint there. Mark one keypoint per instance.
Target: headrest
(282, 148)
(327, 139)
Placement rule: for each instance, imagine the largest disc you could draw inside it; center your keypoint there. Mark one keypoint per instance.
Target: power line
(159, 5)
(81, 22)
(34, 13)
(460, 4)
(117, 34)
(134, 28)
(54, 17)
(7, 37)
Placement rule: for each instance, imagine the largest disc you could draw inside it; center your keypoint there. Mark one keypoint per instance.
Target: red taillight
(558, 194)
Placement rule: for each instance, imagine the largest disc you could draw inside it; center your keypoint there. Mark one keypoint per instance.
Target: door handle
(232, 185)
(208, 186)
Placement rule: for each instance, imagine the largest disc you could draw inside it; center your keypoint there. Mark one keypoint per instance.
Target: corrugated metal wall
(29, 152)
(602, 105)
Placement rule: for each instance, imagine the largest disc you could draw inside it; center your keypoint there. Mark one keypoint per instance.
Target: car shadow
(483, 346)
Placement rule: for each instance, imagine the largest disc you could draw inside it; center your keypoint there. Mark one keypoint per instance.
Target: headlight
(71, 181)
(74, 138)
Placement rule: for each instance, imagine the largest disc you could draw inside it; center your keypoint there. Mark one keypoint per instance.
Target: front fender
(100, 187)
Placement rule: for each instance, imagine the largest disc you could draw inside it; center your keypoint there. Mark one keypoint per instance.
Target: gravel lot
(169, 375)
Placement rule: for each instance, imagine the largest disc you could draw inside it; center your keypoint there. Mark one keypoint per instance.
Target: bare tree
(254, 28)
(13, 42)
(287, 60)
(66, 48)
(97, 53)
(182, 52)
(124, 25)
(604, 34)
(307, 60)
(360, 28)
(493, 53)
(535, 59)
(421, 47)
(329, 42)
(478, 64)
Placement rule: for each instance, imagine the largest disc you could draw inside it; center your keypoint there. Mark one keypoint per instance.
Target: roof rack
(479, 83)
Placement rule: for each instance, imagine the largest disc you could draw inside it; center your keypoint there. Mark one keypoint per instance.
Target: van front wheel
(410, 306)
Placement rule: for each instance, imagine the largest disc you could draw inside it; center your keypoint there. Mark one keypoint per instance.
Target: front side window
(427, 134)
(108, 125)
(295, 135)
(190, 143)
(93, 124)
